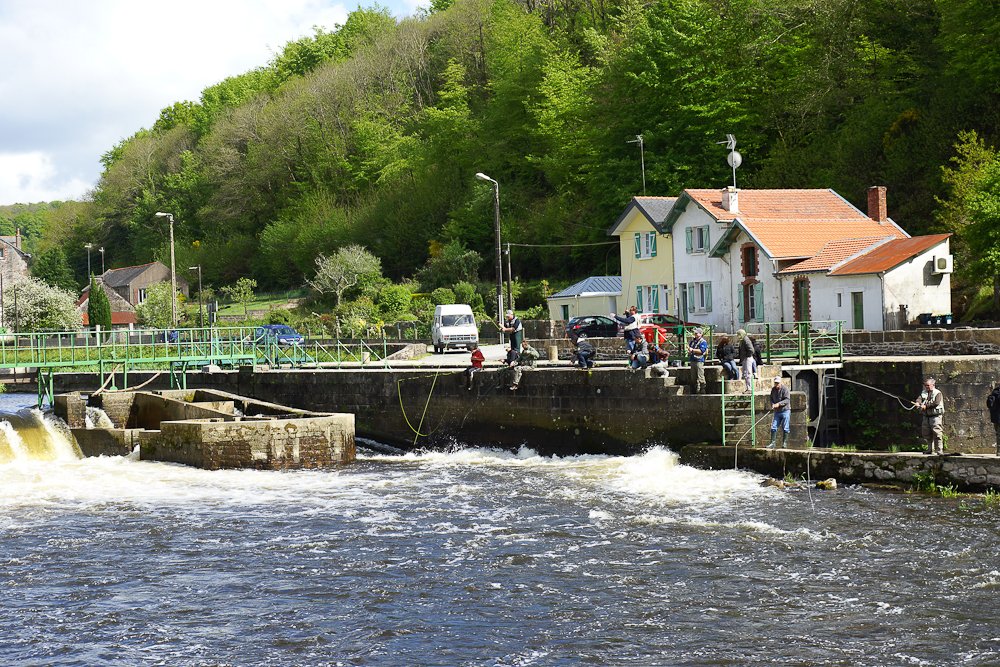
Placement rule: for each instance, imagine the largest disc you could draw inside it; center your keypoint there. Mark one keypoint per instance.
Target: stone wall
(922, 342)
(970, 473)
(874, 420)
(556, 410)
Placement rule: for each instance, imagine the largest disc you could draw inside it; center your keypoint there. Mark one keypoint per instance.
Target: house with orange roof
(647, 279)
(755, 256)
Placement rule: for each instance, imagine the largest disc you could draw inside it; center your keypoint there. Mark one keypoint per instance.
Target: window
(3, 252)
(750, 306)
(840, 299)
(750, 261)
(565, 312)
(645, 245)
(699, 297)
(696, 239)
(651, 298)
(140, 296)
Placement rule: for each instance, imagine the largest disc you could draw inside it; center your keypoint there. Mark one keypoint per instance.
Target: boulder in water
(827, 484)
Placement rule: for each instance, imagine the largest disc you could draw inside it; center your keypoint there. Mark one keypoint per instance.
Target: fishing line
(862, 384)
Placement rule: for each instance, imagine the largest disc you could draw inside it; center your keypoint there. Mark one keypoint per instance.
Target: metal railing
(800, 342)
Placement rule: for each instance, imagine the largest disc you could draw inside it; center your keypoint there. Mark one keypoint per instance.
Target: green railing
(801, 342)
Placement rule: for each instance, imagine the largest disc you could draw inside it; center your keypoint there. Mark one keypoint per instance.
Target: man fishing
(931, 406)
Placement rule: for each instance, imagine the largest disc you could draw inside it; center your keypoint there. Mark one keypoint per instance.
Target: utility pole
(496, 220)
(173, 272)
(88, 246)
(201, 313)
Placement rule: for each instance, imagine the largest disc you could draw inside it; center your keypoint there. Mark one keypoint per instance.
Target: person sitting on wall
(640, 354)
(631, 324)
(726, 355)
(584, 354)
(525, 360)
(477, 364)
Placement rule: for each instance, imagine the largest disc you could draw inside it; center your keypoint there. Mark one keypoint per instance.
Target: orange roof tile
(889, 255)
(794, 223)
(833, 253)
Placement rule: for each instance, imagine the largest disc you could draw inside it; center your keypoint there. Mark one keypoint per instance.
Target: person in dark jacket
(584, 355)
(747, 361)
(631, 327)
(726, 355)
(781, 404)
(993, 405)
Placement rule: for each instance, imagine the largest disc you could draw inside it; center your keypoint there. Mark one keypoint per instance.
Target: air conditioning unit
(943, 264)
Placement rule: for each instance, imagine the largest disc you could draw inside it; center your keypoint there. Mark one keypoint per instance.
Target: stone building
(13, 260)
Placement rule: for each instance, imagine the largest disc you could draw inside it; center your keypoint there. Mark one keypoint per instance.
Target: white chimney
(731, 199)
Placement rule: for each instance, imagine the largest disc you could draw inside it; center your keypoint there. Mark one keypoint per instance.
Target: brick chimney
(876, 204)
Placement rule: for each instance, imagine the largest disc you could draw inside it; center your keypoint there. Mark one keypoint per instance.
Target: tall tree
(98, 306)
(53, 268)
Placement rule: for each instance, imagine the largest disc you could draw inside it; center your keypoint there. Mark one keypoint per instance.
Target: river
(480, 557)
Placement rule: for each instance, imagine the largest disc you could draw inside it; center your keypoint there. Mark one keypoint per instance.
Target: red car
(656, 326)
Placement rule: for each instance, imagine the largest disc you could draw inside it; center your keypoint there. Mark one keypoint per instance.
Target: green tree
(242, 293)
(155, 311)
(53, 268)
(452, 264)
(98, 306)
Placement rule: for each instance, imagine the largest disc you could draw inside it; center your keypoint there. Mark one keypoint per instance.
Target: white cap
(777, 378)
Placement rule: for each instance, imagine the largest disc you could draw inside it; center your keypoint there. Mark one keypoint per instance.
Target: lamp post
(496, 219)
(101, 250)
(173, 272)
(88, 246)
(201, 314)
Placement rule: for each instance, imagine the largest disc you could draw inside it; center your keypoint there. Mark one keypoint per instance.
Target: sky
(77, 77)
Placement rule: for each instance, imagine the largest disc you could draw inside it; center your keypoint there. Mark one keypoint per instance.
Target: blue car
(282, 333)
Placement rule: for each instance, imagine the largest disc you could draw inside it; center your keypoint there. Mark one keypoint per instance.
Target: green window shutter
(739, 302)
(655, 306)
(708, 297)
(687, 240)
(708, 244)
(759, 287)
(653, 249)
(692, 298)
(638, 246)
(638, 297)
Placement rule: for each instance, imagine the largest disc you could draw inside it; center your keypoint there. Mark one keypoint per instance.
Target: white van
(454, 326)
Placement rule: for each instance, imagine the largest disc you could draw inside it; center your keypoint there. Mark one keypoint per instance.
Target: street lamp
(496, 219)
(173, 273)
(88, 246)
(102, 260)
(201, 314)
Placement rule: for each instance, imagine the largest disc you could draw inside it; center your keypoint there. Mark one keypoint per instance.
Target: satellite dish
(734, 159)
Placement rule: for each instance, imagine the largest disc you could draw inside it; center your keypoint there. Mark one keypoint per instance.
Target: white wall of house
(832, 298)
(915, 285)
(647, 266)
(703, 280)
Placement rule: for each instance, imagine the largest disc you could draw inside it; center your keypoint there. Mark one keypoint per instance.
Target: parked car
(595, 326)
(656, 326)
(284, 334)
(454, 326)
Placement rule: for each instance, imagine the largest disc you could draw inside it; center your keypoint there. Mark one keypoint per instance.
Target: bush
(393, 299)
(422, 308)
(464, 292)
(442, 295)
(279, 316)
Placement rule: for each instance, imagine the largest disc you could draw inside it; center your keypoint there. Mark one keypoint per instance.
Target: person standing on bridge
(931, 406)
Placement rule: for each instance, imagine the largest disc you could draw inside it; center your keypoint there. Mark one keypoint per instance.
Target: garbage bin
(937, 319)
(947, 318)
(924, 318)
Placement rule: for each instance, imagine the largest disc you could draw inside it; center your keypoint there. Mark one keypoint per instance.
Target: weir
(209, 429)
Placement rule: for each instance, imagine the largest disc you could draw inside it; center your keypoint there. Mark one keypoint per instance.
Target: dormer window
(645, 245)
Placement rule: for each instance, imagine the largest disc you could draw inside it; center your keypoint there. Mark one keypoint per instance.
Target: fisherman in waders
(931, 406)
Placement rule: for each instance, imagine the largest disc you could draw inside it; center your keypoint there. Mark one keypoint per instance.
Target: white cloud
(80, 76)
(34, 178)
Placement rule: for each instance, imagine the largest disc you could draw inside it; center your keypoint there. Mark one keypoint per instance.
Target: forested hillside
(373, 133)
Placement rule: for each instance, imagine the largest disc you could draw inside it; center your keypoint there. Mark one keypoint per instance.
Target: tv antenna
(642, 158)
(734, 159)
